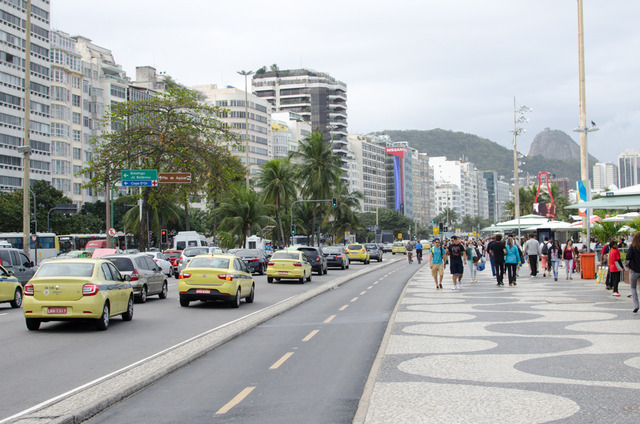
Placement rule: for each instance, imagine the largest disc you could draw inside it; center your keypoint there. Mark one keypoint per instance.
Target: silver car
(147, 278)
(191, 252)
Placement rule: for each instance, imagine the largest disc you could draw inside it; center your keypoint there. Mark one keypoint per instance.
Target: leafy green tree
(171, 132)
(344, 217)
(318, 170)
(448, 216)
(243, 212)
(276, 179)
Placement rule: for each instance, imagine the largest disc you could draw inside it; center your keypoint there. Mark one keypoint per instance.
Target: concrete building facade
(605, 174)
(370, 157)
(629, 168)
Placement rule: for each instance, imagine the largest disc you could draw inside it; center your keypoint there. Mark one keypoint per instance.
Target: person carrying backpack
(544, 257)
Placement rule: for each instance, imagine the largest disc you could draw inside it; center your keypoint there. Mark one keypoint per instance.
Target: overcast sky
(408, 64)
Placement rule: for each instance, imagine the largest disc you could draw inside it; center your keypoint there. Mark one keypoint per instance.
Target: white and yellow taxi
(216, 277)
(358, 253)
(398, 247)
(82, 288)
(288, 265)
(10, 288)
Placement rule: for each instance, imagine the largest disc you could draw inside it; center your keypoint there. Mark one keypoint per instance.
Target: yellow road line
(328, 320)
(354, 299)
(363, 292)
(281, 360)
(344, 307)
(236, 400)
(310, 335)
(369, 288)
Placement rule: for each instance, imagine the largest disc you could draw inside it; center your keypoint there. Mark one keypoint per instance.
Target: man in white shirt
(531, 249)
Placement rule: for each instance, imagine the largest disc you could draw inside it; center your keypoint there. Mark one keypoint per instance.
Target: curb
(86, 401)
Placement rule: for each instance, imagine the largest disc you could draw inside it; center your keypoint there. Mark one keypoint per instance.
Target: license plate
(54, 311)
(203, 291)
(331, 257)
(282, 272)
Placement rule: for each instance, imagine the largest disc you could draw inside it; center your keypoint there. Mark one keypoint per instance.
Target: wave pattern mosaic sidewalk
(541, 351)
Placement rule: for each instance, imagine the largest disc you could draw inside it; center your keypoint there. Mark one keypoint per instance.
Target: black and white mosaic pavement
(541, 351)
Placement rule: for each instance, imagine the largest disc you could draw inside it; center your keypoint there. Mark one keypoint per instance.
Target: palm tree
(318, 170)
(276, 179)
(527, 197)
(243, 212)
(160, 213)
(345, 217)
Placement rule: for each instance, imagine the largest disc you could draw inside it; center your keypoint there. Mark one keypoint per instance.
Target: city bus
(46, 244)
(69, 242)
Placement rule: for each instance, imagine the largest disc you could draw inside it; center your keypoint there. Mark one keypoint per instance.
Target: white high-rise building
(629, 168)
(370, 157)
(287, 130)
(605, 174)
(259, 121)
(12, 93)
(423, 189)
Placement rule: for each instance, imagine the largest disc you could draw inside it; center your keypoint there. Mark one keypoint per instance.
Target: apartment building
(605, 174)
(13, 17)
(259, 119)
(370, 157)
(629, 168)
(288, 129)
(423, 189)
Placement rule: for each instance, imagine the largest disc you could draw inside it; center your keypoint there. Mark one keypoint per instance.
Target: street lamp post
(25, 149)
(246, 119)
(518, 118)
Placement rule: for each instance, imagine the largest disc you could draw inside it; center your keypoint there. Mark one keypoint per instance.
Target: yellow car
(216, 277)
(288, 265)
(398, 247)
(69, 289)
(10, 288)
(357, 252)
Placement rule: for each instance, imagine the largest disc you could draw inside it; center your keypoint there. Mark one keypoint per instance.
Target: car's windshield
(332, 250)
(371, 246)
(246, 252)
(209, 263)
(57, 269)
(286, 255)
(354, 247)
(123, 264)
(194, 251)
(399, 244)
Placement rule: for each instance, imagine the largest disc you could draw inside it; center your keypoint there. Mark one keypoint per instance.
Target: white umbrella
(616, 218)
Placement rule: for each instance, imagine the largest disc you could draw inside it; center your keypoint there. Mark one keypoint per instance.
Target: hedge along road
(88, 399)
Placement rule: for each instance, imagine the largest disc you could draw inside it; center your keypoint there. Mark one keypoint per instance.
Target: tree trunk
(186, 215)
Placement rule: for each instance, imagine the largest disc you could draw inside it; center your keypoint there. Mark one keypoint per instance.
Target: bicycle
(419, 256)
(410, 257)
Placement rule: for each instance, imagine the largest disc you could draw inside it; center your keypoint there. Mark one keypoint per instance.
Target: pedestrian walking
(512, 258)
(555, 256)
(438, 258)
(531, 248)
(490, 255)
(544, 256)
(457, 256)
(567, 256)
(615, 267)
(633, 263)
(497, 255)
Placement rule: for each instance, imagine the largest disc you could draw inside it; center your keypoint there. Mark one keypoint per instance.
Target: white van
(186, 239)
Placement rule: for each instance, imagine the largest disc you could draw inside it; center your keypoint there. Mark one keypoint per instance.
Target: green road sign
(139, 174)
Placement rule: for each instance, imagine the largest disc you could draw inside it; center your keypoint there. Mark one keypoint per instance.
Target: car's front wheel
(128, 315)
(103, 321)
(17, 299)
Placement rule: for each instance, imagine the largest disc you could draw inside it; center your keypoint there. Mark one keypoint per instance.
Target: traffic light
(34, 227)
(293, 229)
(441, 226)
(334, 202)
(163, 236)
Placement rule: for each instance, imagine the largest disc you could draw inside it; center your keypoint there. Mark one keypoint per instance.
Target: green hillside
(485, 154)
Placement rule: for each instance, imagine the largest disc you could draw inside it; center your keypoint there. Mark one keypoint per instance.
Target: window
(59, 112)
(59, 148)
(76, 118)
(77, 135)
(75, 100)
(58, 93)
(118, 91)
(59, 130)
(77, 154)
(77, 188)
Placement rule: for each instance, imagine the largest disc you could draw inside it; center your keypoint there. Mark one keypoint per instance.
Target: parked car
(316, 258)
(289, 265)
(69, 289)
(398, 247)
(336, 257)
(357, 252)
(255, 259)
(10, 288)
(146, 277)
(216, 277)
(174, 257)
(375, 252)
(15, 261)
(162, 261)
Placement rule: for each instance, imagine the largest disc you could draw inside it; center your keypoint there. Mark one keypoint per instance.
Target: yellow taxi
(10, 288)
(69, 289)
(288, 265)
(216, 277)
(398, 247)
(357, 252)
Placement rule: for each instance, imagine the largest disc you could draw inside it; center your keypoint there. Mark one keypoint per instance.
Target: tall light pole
(518, 118)
(246, 120)
(582, 129)
(25, 149)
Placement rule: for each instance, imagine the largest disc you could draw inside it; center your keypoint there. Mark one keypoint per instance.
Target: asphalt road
(60, 357)
(308, 364)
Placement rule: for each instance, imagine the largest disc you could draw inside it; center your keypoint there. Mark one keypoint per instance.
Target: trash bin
(588, 265)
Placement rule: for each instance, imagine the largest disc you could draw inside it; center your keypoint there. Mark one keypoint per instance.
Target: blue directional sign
(139, 177)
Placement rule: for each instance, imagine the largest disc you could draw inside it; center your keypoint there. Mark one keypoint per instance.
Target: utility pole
(26, 145)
